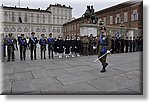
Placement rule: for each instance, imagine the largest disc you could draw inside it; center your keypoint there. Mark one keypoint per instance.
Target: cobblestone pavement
(79, 75)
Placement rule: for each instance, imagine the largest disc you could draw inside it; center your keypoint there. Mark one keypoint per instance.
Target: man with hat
(50, 42)
(33, 41)
(23, 44)
(104, 45)
(43, 42)
(10, 47)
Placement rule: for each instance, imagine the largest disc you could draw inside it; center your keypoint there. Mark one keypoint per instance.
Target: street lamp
(100, 25)
(121, 25)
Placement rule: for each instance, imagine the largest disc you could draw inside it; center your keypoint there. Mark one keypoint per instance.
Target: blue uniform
(43, 43)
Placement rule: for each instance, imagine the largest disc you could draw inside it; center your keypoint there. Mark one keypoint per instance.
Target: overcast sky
(79, 6)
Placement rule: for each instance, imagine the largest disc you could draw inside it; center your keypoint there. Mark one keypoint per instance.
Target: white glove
(108, 51)
(94, 47)
(57, 47)
(75, 47)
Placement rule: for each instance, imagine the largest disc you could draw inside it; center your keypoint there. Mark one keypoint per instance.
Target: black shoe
(8, 60)
(13, 60)
(103, 70)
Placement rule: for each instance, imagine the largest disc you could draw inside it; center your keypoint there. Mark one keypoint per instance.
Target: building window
(13, 29)
(49, 19)
(54, 30)
(25, 18)
(54, 19)
(58, 30)
(20, 19)
(32, 18)
(62, 11)
(6, 29)
(104, 20)
(53, 10)
(43, 18)
(43, 30)
(134, 15)
(57, 10)
(57, 19)
(25, 29)
(38, 30)
(125, 16)
(6, 16)
(66, 12)
(13, 17)
(118, 19)
(19, 29)
(111, 19)
(37, 18)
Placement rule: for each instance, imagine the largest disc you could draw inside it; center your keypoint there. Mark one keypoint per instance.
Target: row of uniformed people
(69, 46)
(121, 45)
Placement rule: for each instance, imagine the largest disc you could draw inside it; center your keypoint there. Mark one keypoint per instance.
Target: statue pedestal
(87, 29)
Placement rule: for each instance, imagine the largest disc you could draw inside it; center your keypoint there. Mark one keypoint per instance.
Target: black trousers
(10, 51)
(50, 51)
(22, 52)
(43, 49)
(33, 50)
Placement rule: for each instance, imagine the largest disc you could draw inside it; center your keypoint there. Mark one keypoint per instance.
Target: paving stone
(60, 72)
(75, 77)
(77, 88)
(78, 69)
(42, 73)
(33, 85)
(137, 89)
(22, 76)
(113, 83)
(109, 72)
(6, 87)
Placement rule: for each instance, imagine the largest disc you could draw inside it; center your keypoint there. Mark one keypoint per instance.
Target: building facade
(61, 14)
(25, 20)
(122, 17)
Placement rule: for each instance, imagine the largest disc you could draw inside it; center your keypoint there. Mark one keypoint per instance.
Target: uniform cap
(33, 33)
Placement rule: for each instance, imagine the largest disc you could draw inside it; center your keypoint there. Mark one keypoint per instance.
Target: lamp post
(100, 25)
(121, 25)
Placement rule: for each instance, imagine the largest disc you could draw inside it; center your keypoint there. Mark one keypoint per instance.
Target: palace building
(124, 17)
(26, 20)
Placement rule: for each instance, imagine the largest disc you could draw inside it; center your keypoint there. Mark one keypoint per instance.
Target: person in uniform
(72, 45)
(23, 45)
(10, 48)
(94, 45)
(43, 43)
(4, 44)
(126, 44)
(85, 45)
(60, 46)
(134, 44)
(122, 44)
(67, 46)
(51, 42)
(78, 46)
(131, 44)
(113, 44)
(32, 42)
(91, 44)
(55, 46)
(104, 45)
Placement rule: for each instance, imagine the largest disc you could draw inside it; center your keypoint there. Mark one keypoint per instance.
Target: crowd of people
(70, 46)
